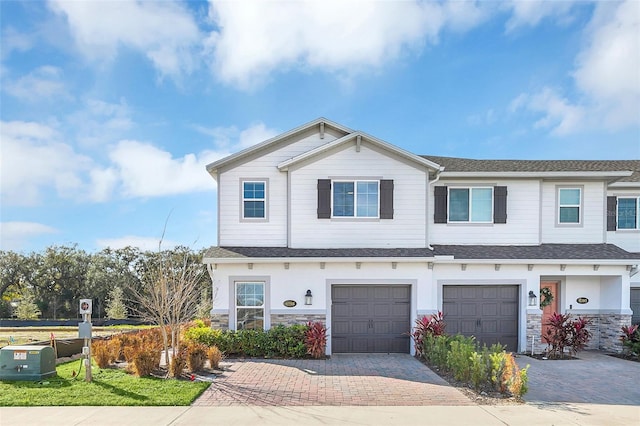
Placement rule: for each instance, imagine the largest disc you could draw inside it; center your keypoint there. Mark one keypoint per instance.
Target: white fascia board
(240, 260)
(284, 166)
(212, 167)
(613, 262)
(542, 175)
(624, 185)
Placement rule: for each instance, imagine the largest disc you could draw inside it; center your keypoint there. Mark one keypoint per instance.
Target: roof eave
(544, 175)
(213, 167)
(284, 166)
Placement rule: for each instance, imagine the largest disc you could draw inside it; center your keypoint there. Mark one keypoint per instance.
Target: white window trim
(637, 228)
(266, 280)
(470, 222)
(580, 206)
(355, 199)
(266, 200)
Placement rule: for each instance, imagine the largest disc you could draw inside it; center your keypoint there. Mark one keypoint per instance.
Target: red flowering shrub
(431, 325)
(564, 333)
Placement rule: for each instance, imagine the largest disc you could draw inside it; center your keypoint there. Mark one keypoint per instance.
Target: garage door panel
(468, 310)
(490, 293)
(379, 318)
(381, 310)
(360, 310)
(488, 312)
(489, 309)
(400, 293)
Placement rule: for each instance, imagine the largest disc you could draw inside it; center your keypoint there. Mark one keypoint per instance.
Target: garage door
(635, 305)
(488, 312)
(370, 318)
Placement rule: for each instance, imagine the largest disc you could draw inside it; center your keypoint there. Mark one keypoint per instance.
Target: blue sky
(111, 110)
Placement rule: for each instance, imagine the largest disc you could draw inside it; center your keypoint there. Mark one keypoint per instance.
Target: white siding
(590, 231)
(273, 233)
(406, 229)
(522, 227)
(626, 238)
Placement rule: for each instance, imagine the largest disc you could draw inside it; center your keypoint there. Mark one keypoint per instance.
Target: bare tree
(170, 292)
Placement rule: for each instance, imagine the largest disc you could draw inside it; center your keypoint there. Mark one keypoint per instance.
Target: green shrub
(479, 369)
(287, 342)
(203, 335)
(459, 357)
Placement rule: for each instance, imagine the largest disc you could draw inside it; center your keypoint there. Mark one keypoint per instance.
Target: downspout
(210, 270)
(438, 172)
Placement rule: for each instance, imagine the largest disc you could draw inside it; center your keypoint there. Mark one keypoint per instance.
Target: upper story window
(569, 205)
(355, 199)
(249, 305)
(477, 204)
(254, 199)
(628, 217)
(471, 204)
(342, 198)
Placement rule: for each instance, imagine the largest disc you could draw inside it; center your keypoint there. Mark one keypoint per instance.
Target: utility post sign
(84, 332)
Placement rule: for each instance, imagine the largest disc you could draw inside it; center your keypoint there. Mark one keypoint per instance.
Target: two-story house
(331, 224)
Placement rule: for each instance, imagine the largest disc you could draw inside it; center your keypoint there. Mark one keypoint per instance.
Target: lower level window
(249, 305)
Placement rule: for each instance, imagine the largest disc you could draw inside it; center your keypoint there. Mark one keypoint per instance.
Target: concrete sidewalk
(500, 415)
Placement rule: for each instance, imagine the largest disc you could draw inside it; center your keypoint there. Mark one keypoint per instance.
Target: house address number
(582, 300)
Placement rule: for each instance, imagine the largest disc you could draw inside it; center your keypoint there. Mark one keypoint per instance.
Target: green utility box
(27, 362)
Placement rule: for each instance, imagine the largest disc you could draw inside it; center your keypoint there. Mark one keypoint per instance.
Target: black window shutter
(386, 199)
(499, 204)
(324, 198)
(440, 204)
(612, 204)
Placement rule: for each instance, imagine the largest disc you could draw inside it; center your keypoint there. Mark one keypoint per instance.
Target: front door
(551, 306)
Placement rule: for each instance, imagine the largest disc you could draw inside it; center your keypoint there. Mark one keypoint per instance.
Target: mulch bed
(626, 357)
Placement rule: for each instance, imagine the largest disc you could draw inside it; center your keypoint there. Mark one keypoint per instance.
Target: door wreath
(546, 297)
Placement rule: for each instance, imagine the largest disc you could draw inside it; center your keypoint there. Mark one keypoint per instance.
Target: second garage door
(370, 318)
(635, 305)
(488, 312)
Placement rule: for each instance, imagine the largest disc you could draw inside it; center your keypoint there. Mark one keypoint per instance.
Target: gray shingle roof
(544, 251)
(453, 164)
(275, 252)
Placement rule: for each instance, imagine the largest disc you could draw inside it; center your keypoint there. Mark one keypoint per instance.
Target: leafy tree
(27, 308)
(205, 305)
(116, 308)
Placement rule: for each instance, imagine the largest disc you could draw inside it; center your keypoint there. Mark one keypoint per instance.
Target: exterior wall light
(308, 298)
(533, 299)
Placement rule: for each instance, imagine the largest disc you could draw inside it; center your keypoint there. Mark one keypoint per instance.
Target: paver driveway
(594, 378)
(354, 379)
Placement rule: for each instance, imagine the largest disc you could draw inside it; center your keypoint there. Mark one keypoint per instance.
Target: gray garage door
(488, 312)
(370, 318)
(635, 305)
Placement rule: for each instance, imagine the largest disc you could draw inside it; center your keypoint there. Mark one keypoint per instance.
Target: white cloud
(100, 122)
(164, 31)
(34, 158)
(43, 82)
(530, 13)
(608, 68)
(344, 37)
(607, 77)
(13, 40)
(13, 235)
(558, 114)
(143, 243)
(145, 170)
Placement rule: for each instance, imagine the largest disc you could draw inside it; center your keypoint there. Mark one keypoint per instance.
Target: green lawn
(109, 387)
